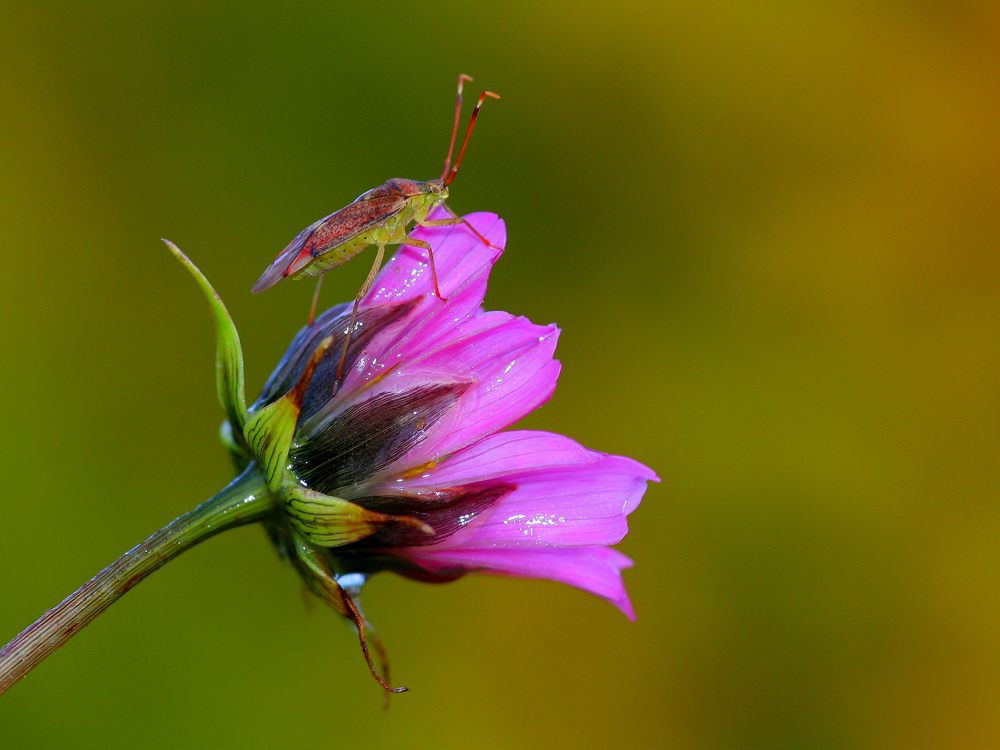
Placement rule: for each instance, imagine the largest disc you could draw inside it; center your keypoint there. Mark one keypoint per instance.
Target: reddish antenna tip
(462, 78)
(449, 172)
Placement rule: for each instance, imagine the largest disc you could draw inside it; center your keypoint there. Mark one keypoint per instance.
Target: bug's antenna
(449, 174)
(458, 111)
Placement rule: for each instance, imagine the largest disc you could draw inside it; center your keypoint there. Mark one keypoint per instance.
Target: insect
(378, 217)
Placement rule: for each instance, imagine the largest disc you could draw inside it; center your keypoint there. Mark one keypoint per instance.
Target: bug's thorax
(415, 201)
(421, 197)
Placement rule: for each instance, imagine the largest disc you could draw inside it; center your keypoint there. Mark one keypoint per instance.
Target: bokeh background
(769, 232)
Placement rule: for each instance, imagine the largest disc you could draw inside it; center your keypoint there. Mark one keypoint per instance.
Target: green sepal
(270, 431)
(229, 353)
(269, 434)
(313, 564)
(316, 572)
(332, 522)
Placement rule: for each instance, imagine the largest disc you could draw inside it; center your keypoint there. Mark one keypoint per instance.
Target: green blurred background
(769, 232)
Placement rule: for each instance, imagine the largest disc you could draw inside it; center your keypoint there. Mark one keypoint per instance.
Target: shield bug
(378, 217)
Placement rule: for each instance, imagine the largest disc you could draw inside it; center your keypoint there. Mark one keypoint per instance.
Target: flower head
(403, 465)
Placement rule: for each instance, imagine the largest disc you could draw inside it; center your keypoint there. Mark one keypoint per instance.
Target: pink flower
(414, 433)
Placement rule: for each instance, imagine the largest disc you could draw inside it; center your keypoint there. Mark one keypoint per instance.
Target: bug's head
(438, 189)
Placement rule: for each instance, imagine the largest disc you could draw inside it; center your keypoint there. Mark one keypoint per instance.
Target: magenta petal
(458, 256)
(507, 360)
(431, 325)
(506, 364)
(563, 494)
(463, 264)
(593, 569)
(559, 508)
(514, 453)
(512, 371)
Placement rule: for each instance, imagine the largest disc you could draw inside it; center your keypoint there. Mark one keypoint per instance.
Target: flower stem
(245, 500)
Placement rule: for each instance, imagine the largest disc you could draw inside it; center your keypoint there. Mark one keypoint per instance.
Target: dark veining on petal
(446, 515)
(334, 321)
(362, 440)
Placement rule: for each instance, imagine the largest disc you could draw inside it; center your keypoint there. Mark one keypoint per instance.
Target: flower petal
(593, 569)
(400, 315)
(357, 442)
(506, 370)
(571, 507)
(514, 452)
(458, 256)
(564, 494)
(513, 372)
(333, 322)
(463, 263)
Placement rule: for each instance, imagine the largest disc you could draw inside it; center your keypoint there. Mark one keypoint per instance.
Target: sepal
(314, 567)
(270, 431)
(269, 434)
(332, 522)
(229, 354)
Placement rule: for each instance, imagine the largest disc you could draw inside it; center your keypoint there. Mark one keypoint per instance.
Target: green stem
(245, 500)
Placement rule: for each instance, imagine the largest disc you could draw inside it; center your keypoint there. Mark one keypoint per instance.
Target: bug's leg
(430, 254)
(357, 301)
(456, 219)
(312, 309)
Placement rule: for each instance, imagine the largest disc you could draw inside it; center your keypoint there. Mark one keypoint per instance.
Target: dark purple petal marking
(333, 322)
(446, 514)
(357, 443)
